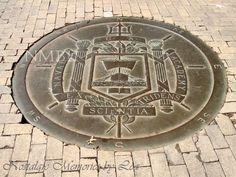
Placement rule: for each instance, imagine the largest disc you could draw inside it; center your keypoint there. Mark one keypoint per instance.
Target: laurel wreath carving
(131, 47)
(99, 101)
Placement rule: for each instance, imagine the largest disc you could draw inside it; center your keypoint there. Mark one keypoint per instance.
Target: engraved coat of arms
(119, 79)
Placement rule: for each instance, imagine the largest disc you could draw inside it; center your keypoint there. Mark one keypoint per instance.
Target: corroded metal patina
(119, 84)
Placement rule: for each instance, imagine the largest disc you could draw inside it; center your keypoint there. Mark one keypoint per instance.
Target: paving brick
(228, 49)
(117, 10)
(143, 172)
(19, 153)
(7, 141)
(34, 175)
(89, 16)
(135, 9)
(54, 148)
(232, 86)
(207, 153)
(232, 44)
(179, 171)
(62, 5)
(5, 98)
(37, 156)
(159, 165)
(71, 8)
(4, 89)
(42, 14)
(173, 154)
(206, 37)
(98, 12)
(50, 27)
(141, 158)
(17, 46)
(99, 3)
(216, 137)
(107, 172)
(126, 13)
(187, 145)
(19, 171)
(194, 166)
(125, 153)
(89, 168)
(225, 125)
(54, 168)
(89, 6)
(38, 33)
(231, 97)
(38, 137)
(60, 22)
(5, 108)
(71, 155)
(12, 129)
(14, 109)
(124, 166)
(228, 107)
(70, 174)
(61, 13)
(80, 13)
(11, 59)
(233, 119)
(29, 40)
(1, 128)
(11, 52)
(214, 169)
(231, 62)
(227, 56)
(70, 18)
(227, 161)
(8, 82)
(53, 8)
(5, 155)
(108, 14)
(107, 7)
(156, 150)
(232, 143)
(10, 118)
(85, 152)
(146, 13)
(106, 158)
(40, 24)
(5, 66)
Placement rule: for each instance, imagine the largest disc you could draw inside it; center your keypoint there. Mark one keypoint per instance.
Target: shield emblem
(119, 76)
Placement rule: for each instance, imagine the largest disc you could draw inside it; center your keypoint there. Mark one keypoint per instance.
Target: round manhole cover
(119, 84)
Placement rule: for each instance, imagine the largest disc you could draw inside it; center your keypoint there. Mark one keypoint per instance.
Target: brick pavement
(209, 153)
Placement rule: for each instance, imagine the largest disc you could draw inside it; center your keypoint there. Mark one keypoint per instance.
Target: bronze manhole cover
(119, 84)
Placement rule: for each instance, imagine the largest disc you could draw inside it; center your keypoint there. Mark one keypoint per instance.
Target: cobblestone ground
(210, 153)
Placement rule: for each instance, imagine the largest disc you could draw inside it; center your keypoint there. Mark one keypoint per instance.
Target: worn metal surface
(119, 84)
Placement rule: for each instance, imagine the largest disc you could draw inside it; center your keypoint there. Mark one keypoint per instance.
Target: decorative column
(163, 86)
(76, 79)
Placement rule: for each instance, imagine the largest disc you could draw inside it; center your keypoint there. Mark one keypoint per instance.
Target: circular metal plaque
(119, 84)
